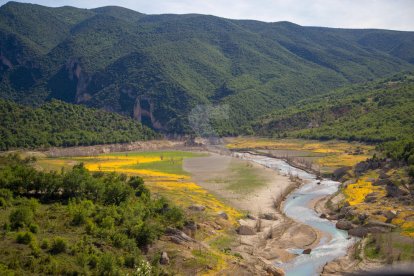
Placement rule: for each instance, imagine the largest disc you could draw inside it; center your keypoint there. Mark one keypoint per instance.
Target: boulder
(246, 230)
(197, 207)
(307, 251)
(393, 190)
(178, 236)
(191, 225)
(223, 215)
(164, 260)
(249, 216)
(344, 225)
(390, 214)
(359, 232)
(268, 216)
(323, 216)
(362, 217)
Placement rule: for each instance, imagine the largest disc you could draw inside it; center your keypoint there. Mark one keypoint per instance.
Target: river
(333, 244)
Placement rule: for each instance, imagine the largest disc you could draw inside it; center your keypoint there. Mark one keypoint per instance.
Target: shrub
(20, 217)
(130, 261)
(136, 182)
(106, 264)
(59, 245)
(24, 237)
(90, 227)
(3, 202)
(93, 261)
(34, 228)
(6, 194)
(174, 216)
(119, 240)
(45, 244)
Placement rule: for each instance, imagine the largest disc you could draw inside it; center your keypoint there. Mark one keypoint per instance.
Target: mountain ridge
(253, 67)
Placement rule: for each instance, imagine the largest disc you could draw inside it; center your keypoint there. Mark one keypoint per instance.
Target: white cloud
(384, 14)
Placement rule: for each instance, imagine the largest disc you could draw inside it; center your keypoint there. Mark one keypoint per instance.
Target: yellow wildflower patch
(341, 160)
(357, 192)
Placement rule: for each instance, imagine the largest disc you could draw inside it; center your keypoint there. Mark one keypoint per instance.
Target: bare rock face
(344, 225)
(164, 260)
(196, 207)
(246, 230)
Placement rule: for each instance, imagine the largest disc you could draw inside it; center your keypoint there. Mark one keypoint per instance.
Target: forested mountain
(61, 124)
(157, 68)
(376, 111)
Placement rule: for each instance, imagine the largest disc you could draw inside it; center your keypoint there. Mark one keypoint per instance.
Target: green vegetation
(373, 112)
(61, 124)
(246, 178)
(76, 222)
(119, 59)
(171, 161)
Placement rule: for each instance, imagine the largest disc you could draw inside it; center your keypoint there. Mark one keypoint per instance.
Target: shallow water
(335, 242)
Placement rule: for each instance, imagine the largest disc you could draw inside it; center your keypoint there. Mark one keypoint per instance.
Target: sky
(379, 14)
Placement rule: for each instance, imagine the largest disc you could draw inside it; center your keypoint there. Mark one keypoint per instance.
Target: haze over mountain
(157, 68)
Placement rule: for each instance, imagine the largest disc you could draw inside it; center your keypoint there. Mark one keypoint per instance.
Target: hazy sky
(384, 14)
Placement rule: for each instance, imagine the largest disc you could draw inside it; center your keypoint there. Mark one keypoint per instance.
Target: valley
(165, 144)
(220, 192)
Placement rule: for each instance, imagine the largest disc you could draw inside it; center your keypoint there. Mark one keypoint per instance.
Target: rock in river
(307, 251)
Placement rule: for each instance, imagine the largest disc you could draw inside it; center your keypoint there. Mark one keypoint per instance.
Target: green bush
(119, 240)
(34, 228)
(21, 217)
(6, 194)
(24, 237)
(107, 264)
(45, 244)
(58, 246)
(130, 261)
(3, 202)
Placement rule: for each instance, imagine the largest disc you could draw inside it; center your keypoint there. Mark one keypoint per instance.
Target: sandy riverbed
(215, 171)
(274, 237)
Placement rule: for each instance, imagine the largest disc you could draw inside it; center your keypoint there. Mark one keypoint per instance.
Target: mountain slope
(62, 124)
(157, 68)
(373, 112)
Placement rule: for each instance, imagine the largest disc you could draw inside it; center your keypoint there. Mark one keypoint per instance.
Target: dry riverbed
(273, 232)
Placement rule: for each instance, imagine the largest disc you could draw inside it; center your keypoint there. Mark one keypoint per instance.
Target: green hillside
(373, 112)
(157, 68)
(62, 124)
